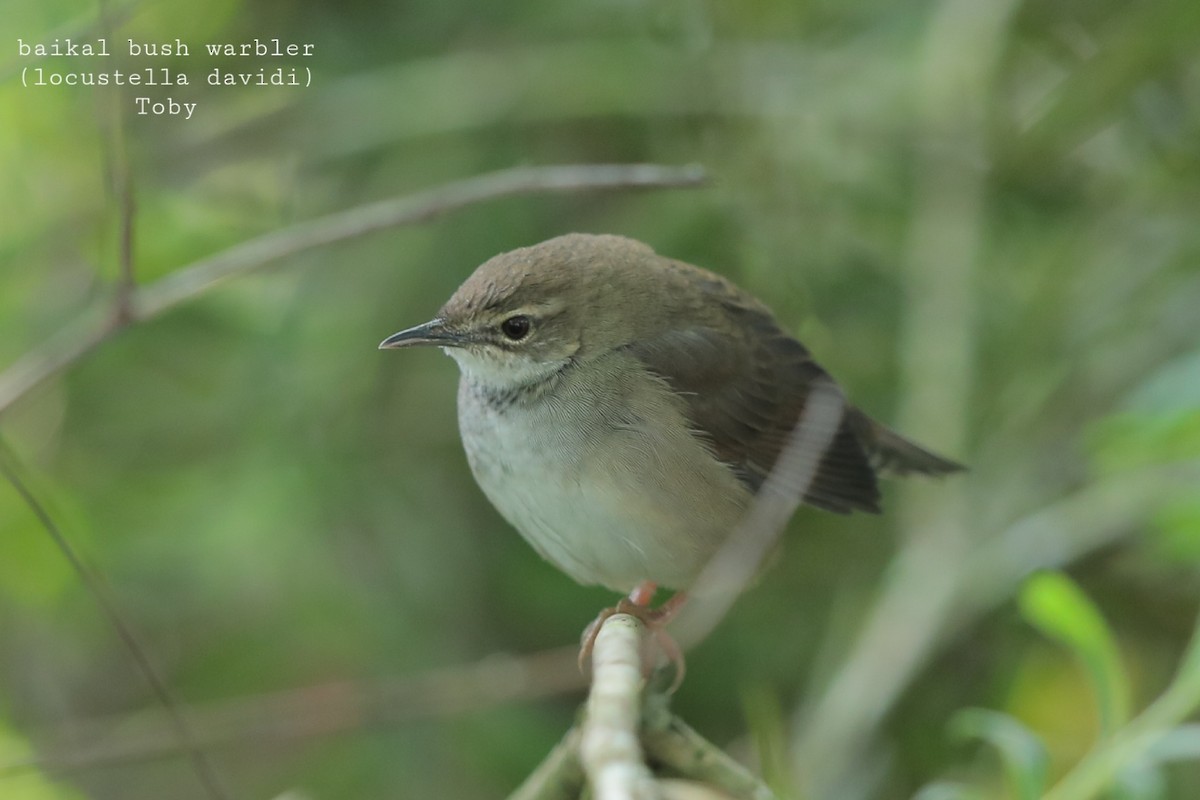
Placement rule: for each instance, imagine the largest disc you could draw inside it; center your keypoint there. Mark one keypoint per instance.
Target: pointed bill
(430, 334)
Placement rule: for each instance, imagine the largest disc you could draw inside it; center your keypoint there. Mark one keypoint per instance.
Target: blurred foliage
(276, 504)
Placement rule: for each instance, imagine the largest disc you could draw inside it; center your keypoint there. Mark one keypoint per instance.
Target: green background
(982, 217)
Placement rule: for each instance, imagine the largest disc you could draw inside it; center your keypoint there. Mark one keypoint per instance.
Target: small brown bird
(621, 409)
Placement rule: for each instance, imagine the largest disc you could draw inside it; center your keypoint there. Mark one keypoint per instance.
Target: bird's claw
(655, 620)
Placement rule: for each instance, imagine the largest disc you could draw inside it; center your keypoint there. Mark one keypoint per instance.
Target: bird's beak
(433, 333)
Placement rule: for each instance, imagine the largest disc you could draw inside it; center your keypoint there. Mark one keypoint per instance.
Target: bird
(622, 409)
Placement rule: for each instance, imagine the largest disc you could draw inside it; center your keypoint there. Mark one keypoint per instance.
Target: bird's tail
(892, 454)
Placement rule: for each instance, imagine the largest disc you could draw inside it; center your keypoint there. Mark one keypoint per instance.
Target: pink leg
(637, 604)
(643, 593)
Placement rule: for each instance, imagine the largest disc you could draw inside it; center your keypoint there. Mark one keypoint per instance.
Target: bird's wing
(744, 391)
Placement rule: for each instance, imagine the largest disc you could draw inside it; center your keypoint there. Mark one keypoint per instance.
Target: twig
(559, 776)
(609, 746)
(963, 45)
(188, 282)
(99, 590)
(120, 177)
(1052, 537)
(735, 564)
(315, 711)
(673, 743)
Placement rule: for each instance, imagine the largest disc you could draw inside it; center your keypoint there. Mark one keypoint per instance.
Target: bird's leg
(643, 593)
(637, 604)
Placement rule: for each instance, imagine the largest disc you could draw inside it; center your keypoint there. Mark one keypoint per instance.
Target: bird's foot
(637, 604)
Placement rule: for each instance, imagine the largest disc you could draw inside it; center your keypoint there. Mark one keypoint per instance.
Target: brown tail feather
(892, 454)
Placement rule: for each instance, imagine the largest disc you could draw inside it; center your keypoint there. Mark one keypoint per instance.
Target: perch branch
(609, 746)
(624, 724)
(148, 301)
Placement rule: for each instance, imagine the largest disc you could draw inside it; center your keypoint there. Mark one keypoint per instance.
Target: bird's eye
(516, 327)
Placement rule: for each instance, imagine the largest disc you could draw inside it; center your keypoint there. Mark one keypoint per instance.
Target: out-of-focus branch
(609, 746)
(183, 735)
(322, 710)
(964, 42)
(738, 560)
(186, 283)
(1054, 536)
(559, 776)
(145, 302)
(120, 177)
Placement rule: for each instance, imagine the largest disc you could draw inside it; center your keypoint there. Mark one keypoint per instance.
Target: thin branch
(316, 711)
(609, 747)
(674, 744)
(120, 177)
(74, 341)
(964, 42)
(734, 565)
(190, 281)
(1056, 535)
(559, 776)
(186, 283)
(99, 590)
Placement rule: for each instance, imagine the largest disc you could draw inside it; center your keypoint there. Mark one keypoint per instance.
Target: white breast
(597, 490)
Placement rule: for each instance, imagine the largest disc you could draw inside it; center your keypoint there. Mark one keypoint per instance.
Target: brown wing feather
(745, 386)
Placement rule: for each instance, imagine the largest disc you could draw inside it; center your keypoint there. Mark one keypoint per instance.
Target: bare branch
(609, 746)
(559, 776)
(95, 584)
(732, 568)
(188, 282)
(622, 716)
(120, 177)
(964, 41)
(673, 743)
(314, 711)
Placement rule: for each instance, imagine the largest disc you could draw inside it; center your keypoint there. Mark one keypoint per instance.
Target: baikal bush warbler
(621, 409)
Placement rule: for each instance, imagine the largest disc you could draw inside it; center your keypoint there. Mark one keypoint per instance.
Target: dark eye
(516, 327)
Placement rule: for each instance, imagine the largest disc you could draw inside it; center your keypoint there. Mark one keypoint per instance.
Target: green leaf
(1024, 756)
(1056, 606)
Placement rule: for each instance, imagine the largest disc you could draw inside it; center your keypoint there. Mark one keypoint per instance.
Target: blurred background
(981, 215)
